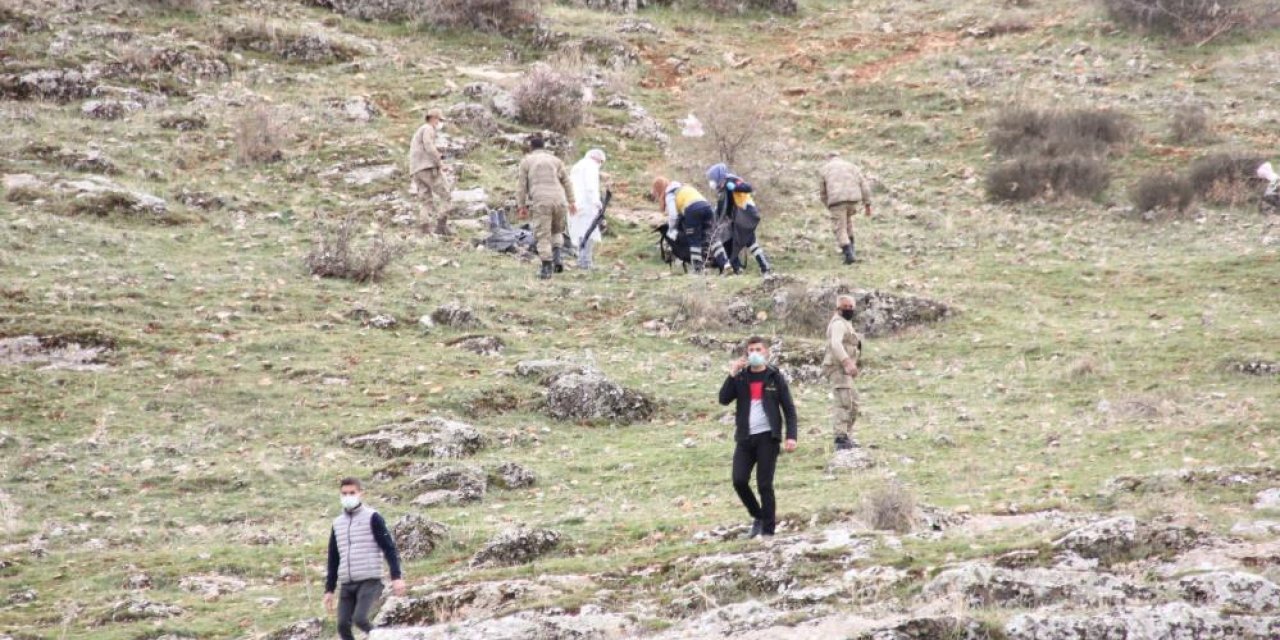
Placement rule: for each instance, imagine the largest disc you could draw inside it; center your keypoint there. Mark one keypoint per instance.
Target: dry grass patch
(335, 254)
(1189, 124)
(259, 137)
(890, 507)
(1188, 20)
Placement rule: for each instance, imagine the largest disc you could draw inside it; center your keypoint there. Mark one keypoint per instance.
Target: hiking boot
(757, 528)
(697, 267)
(545, 272)
(555, 260)
(763, 261)
(848, 253)
(843, 443)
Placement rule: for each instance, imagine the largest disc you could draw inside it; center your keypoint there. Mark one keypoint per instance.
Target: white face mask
(713, 185)
(350, 502)
(756, 359)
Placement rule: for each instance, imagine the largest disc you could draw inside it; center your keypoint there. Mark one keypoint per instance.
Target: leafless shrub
(1051, 132)
(550, 98)
(1226, 178)
(890, 507)
(807, 311)
(495, 16)
(285, 42)
(258, 137)
(1031, 177)
(1189, 20)
(334, 254)
(696, 311)
(1162, 191)
(1190, 123)
(1083, 367)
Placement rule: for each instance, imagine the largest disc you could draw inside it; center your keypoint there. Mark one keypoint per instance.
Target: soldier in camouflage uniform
(840, 365)
(544, 189)
(426, 167)
(842, 187)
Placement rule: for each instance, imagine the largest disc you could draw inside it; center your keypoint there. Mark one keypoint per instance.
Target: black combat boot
(848, 253)
(763, 261)
(555, 260)
(545, 272)
(843, 443)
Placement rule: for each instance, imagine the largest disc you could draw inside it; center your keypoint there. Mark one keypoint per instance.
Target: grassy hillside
(1086, 343)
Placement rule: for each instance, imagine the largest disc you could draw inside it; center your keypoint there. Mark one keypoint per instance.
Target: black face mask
(847, 314)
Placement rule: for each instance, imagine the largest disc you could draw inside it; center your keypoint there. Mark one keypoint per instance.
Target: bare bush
(1031, 177)
(1052, 132)
(1190, 123)
(550, 98)
(284, 42)
(1190, 20)
(698, 311)
(1162, 192)
(495, 16)
(258, 137)
(335, 255)
(1226, 178)
(890, 507)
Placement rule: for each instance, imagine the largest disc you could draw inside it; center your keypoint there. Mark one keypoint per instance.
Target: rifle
(608, 195)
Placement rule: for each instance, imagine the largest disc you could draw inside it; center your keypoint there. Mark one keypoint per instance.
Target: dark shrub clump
(335, 254)
(1162, 192)
(1226, 178)
(1031, 177)
(551, 99)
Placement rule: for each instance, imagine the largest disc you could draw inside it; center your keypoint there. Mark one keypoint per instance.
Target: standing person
(426, 166)
(763, 403)
(358, 542)
(544, 188)
(844, 350)
(686, 211)
(842, 187)
(585, 176)
(738, 217)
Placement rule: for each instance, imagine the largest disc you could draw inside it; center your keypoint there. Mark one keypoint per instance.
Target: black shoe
(757, 528)
(697, 267)
(843, 443)
(848, 253)
(556, 263)
(545, 272)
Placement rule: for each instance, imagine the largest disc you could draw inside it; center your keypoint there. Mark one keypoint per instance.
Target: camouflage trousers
(549, 224)
(433, 197)
(842, 215)
(844, 405)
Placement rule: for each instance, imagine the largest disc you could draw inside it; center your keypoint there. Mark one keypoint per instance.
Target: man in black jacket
(764, 400)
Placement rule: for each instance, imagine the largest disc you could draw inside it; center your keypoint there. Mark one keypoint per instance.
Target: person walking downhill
(544, 189)
(585, 177)
(426, 166)
(763, 406)
(358, 542)
(842, 186)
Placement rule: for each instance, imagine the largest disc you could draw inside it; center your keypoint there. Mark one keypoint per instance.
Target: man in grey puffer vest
(357, 543)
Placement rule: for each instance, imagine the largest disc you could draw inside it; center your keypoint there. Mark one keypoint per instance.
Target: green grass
(215, 421)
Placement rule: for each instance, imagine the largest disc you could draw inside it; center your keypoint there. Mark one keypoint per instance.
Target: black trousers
(761, 452)
(355, 599)
(697, 225)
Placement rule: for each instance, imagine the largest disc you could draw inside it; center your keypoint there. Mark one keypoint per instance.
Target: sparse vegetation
(1162, 192)
(1226, 178)
(1189, 124)
(336, 253)
(259, 137)
(1189, 20)
(550, 98)
(890, 507)
(1054, 153)
(496, 16)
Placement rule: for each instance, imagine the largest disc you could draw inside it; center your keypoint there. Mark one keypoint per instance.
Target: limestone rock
(433, 437)
(416, 537)
(455, 315)
(1235, 591)
(388, 10)
(1163, 622)
(1268, 499)
(1111, 538)
(464, 602)
(544, 370)
(180, 122)
(211, 587)
(309, 629)
(55, 85)
(855, 459)
(139, 609)
(479, 345)
(982, 585)
(589, 395)
(512, 475)
(516, 546)
(109, 109)
(450, 485)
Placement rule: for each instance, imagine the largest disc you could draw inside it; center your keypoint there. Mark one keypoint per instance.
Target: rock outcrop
(431, 437)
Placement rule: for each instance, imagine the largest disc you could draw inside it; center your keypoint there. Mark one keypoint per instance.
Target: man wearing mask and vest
(358, 542)
(763, 404)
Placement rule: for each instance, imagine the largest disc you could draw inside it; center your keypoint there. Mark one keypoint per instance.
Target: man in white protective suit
(585, 177)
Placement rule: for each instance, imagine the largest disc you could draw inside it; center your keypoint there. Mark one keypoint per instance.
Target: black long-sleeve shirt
(776, 401)
(381, 535)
